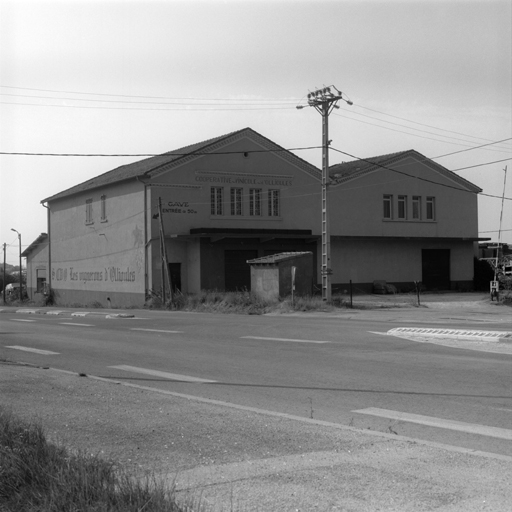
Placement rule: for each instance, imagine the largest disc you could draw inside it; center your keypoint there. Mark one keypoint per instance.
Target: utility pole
(163, 249)
(21, 277)
(325, 100)
(5, 246)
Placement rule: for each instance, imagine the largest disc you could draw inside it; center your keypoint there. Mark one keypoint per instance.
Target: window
(103, 208)
(388, 206)
(416, 207)
(431, 208)
(273, 203)
(88, 211)
(236, 201)
(216, 200)
(402, 207)
(255, 201)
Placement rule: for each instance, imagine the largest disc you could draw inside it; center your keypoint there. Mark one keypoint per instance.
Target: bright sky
(151, 76)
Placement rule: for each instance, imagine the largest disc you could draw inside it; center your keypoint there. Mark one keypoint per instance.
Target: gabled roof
(346, 171)
(40, 240)
(155, 165)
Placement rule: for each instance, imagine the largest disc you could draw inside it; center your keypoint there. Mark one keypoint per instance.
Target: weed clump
(36, 475)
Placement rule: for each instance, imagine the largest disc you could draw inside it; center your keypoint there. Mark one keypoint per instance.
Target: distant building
(240, 196)
(37, 266)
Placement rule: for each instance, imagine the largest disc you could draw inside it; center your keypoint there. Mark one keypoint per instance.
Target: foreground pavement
(239, 458)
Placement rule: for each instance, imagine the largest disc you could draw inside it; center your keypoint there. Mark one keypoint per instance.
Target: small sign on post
(495, 289)
(294, 271)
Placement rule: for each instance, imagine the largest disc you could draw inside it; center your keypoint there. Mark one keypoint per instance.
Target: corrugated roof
(346, 171)
(154, 165)
(274, 258)
(139, 169)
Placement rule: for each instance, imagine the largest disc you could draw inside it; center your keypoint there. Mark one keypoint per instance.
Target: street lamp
(21, 287)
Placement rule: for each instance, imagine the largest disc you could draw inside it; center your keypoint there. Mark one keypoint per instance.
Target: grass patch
(36, 475)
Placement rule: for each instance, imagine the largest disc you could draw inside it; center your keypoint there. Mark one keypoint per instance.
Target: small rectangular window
(431, 208)
(416, 207)
(388, 206)
(402, 207)
(273, 203)
(216, 198)
(88, 211)
(103, 208)
(236, 201)
(255, 201)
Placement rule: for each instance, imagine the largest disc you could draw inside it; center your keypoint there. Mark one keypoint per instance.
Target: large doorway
(236, 269)
(175, 273)
(435, 266)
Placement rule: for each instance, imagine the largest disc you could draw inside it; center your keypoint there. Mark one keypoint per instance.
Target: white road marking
(155, 330)
(470, 428)
(35, 350)
(73, 323)
(282, 339)
(21, 320)
(165, 375)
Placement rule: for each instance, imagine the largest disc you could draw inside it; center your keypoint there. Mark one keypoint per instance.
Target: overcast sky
(148, 76)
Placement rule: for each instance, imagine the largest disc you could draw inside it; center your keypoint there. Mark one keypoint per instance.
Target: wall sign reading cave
(178, 207)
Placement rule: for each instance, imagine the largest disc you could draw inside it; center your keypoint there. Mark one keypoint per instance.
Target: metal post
(5, 246)
(324, 100)
(21, 273)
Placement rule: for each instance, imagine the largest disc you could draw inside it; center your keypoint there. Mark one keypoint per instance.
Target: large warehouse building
(216, 204)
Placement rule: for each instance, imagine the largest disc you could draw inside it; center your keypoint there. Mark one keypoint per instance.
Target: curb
(61, 312)
(454, 333)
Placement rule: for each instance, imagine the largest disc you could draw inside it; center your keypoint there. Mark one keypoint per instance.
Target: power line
(191, 153)
(470, 149)
(291, 100)
(421, 124)
(410, 128)
(416, 177)
(406, 133)
(148, 109)
(480, 165)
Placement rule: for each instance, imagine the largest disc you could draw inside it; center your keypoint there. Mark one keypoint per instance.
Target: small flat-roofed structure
(276, 275)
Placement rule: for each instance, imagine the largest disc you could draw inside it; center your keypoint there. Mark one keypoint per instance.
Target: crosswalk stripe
(155, 330)
(470, 428)
(34, 350)
(282, 339)
(75, 324)
(165, 375)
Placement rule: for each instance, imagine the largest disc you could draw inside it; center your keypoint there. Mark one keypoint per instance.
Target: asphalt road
(328, 368)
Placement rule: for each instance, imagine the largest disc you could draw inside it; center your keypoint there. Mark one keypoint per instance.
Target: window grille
(236, 201)
(216, 200)
(255, 201)
(273, 203)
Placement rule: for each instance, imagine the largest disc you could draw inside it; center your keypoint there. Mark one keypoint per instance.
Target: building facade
(195, 216)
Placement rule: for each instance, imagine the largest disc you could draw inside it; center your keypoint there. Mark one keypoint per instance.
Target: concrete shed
(272, 276)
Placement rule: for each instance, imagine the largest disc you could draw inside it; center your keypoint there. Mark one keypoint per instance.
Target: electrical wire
(416, 177)
(191, 153)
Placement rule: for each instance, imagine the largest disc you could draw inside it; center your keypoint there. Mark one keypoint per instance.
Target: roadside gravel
(234, 459)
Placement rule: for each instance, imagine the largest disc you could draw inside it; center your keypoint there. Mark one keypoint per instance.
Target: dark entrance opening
(175, 272)
(435, 266)
(236, 269)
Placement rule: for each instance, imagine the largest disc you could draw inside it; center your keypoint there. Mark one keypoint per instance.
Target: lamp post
(21, 286)
(324, 101)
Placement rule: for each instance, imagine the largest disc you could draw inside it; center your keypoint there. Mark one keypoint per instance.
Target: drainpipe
(49, 248)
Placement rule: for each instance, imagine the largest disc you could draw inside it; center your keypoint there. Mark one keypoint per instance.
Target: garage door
(435, 265)
(237, 270)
